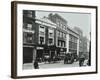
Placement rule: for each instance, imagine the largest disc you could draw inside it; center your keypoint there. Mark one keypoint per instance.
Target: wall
(5, 40)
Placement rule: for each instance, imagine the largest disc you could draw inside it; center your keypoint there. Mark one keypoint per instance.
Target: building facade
(29, 36)
(38, 37)
(67, 40)
(80, 32)
(83, 43)
(86, 47)
(48, 36)
(61, 32)
(72, 42)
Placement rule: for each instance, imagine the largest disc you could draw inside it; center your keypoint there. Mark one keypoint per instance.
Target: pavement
(59, 64)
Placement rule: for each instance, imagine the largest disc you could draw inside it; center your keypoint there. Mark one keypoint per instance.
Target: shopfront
(39, 54)
(29, 53)
(61, 52)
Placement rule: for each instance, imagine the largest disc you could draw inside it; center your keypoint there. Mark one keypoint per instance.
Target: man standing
(36, 65)
(81, 60)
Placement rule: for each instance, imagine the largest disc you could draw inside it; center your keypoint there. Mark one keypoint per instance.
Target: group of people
(67, 58)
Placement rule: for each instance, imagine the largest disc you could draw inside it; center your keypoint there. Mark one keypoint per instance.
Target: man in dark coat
(81, 60)
(36, 65)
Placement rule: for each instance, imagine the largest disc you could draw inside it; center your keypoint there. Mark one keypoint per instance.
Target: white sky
(81, 20)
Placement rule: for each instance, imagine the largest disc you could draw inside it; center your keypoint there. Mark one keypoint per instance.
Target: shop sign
(40, 48)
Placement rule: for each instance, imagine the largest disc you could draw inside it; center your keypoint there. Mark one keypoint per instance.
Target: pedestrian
(36, 65)
(81, 60)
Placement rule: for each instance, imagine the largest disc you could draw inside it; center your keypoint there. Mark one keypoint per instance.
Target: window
(41, 30)
(41, 33)
(41, 40)
(70, 44)
(64, 44)
(28, 37)
(29, 26)
(80, 41)
(70, 38)
(29, 13)
(42, 27)
(61, 25)
(64, 35)
(75, 40)
(50, 34)
(58, 23)
(58, 33)
(64, 27)
(59, 43)
(50, 41)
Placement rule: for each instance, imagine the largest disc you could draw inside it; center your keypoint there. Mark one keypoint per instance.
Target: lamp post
(89, 62)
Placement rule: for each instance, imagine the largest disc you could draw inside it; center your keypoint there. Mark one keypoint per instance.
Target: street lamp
(89, 61)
